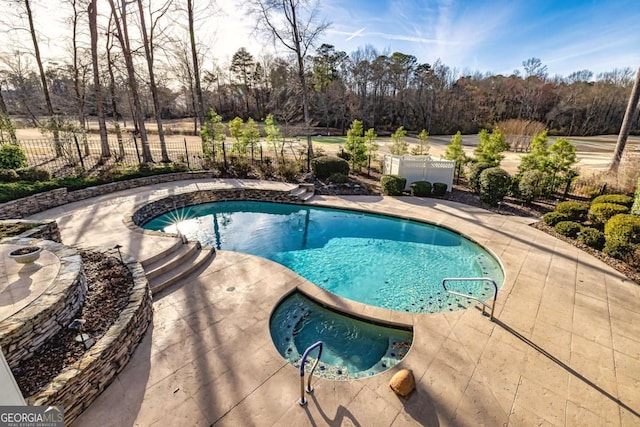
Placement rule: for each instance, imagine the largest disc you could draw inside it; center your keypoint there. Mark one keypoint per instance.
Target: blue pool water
(378, 260)
(352, 348)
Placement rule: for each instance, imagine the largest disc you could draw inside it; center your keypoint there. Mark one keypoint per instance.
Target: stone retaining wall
(24, 332)
(45, 230)
(30, 205)
(80, 384)
(150, 210)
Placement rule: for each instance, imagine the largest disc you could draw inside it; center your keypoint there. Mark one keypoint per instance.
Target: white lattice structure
(420, 168)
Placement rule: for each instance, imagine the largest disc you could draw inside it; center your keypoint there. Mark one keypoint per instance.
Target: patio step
(303, 192)
(178, 244)
(171, 259)
(177, 265)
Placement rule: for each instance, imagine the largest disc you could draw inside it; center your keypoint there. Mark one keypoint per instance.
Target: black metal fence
(74, 155)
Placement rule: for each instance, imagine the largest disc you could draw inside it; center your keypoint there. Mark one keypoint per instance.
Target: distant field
(329, 139)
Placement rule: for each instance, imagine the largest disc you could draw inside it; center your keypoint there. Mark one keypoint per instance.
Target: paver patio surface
(564, 350)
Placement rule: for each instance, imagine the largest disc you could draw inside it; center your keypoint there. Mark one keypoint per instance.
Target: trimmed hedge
(568, 228)
(9, 175)
(495, 184)
(338, 178)
(577, 211)
(622, 235)
(439, 189)
(530, 185)
(618, 199)
(421, 188)
(592, 237)
(600, 213)
(33, 174)
(552, 218)
(325, 166)
(474, 175)
(392, 185)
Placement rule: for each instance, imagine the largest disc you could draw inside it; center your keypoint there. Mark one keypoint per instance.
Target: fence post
(186, 152)
(603, 189)
(224, 156)
(135, 143)
(75, 138)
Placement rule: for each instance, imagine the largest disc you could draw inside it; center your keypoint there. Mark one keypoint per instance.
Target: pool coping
(468, 370)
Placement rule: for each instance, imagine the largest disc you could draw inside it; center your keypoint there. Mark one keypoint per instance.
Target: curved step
(182, 267)
(171, 259)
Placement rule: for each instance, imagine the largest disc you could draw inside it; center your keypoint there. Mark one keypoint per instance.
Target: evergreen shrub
(392, 185)
(421, 188)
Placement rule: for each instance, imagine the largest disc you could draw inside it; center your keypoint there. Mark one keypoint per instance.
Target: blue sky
(494, 36)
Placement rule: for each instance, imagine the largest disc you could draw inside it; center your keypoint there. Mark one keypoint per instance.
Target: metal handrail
(473, 279)
(309, 389)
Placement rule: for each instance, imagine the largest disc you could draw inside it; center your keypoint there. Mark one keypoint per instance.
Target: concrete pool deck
(565, 349)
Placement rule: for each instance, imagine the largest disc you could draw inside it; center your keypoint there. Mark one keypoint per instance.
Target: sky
(493, 36)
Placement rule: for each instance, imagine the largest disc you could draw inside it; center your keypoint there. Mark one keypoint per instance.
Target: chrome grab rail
(473, 279)
(309, 389)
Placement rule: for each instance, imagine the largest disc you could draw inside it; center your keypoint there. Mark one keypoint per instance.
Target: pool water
(351, 348)
(379, 260)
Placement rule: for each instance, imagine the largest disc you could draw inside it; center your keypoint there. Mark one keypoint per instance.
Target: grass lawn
(329, 139)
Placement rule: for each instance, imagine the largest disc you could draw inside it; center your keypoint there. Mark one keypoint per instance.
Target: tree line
(142, 60)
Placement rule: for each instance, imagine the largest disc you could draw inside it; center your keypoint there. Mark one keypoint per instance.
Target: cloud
(356, 34)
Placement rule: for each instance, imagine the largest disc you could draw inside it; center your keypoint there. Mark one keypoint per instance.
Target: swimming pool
(379, 260)
(352, 348)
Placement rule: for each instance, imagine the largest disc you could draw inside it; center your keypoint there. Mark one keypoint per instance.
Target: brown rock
(403, 383)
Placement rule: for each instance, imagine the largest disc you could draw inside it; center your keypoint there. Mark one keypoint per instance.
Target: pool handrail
(303, 361)
(473, 279)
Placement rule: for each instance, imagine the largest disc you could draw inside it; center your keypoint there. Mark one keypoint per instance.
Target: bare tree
(122, 34)
(149, 51)
(75, 52)
(93, 25)
(196, 67)
(43, 77)
(626, 124)
(295, 25)
(3, 106)
(112, 87)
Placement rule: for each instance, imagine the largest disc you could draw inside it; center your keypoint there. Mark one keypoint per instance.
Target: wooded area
(149, 65)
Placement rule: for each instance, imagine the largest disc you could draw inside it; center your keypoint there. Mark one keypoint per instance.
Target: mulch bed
(109, 282)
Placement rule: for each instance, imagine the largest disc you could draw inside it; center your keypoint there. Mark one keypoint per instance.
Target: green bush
(530, 185)
(494, 185)
(325, 166)
(568, 228)
(474, 175)
(338, 178)
(618, 199)
(287, 171)
(635, 209)
(439, 189)
(145, 167)
(17, 190)
(592, 237)
(577, 211)
(552, 218)
(392, 185)
(12, 157)
(33, 174)
(622, 235)
(179, 167)
(9, 175)
(600, 213)
(421, 188)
